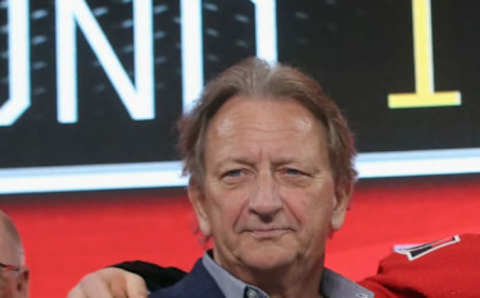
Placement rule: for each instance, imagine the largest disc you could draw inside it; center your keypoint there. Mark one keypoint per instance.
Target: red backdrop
(67, 235)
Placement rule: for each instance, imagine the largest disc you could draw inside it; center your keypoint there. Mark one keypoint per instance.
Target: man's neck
(302, 280)
(289, 283)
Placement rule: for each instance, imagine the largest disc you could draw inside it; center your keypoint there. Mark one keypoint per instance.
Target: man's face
(268, 197)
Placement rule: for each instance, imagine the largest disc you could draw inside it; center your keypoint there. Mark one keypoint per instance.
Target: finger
(118, 289)
(91, 287)
(76, 292)
(136, 286)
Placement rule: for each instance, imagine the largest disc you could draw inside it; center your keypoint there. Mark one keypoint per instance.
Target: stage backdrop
(90, 90)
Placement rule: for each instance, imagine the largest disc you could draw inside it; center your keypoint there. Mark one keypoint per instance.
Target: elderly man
(270, 163)
(13, 273)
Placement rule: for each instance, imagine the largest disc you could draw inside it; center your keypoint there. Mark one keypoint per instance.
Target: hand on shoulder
(109, 283)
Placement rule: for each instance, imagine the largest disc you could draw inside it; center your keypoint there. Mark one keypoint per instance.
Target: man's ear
(197, 198)
(340, 207)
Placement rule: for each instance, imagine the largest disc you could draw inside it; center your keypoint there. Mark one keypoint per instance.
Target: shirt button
(251, 293)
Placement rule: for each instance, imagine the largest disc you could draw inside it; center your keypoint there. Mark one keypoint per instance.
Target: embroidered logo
(415, 252)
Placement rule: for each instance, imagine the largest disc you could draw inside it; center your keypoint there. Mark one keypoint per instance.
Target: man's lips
(263, 233)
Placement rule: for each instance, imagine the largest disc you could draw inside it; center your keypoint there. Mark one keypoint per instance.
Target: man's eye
(290, 171)
(233, 173)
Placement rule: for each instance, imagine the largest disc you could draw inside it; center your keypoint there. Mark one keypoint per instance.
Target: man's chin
(268, 258)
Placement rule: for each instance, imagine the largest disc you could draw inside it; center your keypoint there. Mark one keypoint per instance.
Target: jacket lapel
(198, 283)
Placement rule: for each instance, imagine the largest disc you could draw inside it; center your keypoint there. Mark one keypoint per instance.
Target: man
(14, 276)
(270, 160)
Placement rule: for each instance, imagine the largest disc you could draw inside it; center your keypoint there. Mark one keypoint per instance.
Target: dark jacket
(173, 283)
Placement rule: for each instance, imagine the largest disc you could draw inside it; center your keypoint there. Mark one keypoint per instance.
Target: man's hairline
(250, 95)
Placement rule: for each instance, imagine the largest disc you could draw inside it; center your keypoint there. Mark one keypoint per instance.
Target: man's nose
(265, 200)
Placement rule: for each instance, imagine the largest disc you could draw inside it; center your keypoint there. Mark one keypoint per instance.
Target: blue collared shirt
(333, 284)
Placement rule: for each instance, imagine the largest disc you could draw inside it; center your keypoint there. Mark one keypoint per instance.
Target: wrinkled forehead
(277, 125)
(264, 111)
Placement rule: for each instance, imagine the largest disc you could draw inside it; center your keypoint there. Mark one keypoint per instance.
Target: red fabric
(452, 270)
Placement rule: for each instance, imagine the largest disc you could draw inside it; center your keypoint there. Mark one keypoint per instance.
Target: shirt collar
(230, 286)
(333, 284)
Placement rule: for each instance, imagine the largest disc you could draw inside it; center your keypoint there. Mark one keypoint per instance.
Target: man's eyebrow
(294, 162)
(285, 160)
(250, 161)
(237, 160)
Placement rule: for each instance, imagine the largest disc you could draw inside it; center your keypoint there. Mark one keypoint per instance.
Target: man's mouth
(268, 233)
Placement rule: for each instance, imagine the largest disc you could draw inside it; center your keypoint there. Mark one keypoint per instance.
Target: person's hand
(110, 283)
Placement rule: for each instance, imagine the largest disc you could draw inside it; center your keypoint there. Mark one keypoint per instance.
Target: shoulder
(197, 283)
(446, 267)
(336, 285)
(155, 276)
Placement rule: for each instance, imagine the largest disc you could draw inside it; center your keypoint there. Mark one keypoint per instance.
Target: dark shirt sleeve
(155, 276)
